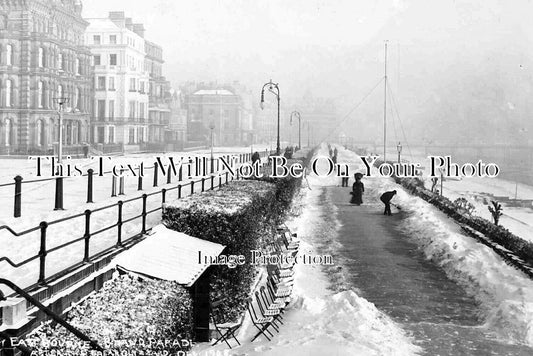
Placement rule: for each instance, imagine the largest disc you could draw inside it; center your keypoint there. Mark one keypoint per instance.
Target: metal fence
(116, 184)
(205, 183)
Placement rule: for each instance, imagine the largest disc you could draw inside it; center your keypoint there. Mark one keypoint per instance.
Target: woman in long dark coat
(357, 191)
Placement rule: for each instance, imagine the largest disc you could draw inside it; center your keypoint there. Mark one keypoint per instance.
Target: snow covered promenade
(321, 320)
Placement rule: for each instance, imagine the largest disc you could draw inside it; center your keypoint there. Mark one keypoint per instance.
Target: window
(8, 139)
(9, 93)
(78, 67)
(113, 59)
(111, 109)
(100, 85)
(96, 60)
(101, 110)
(113, 39)
(40, 94)
(60, 61)
(132, 135)
(141, 110)
(111, 134)
(140, 134)
(39, 133)
(75, 132)
(96, 39)
(132, 110)
(111, 83)
(78, 99)
(132, 84)
(60, 91)
(40, 59)
(9, 55)
(142, 87)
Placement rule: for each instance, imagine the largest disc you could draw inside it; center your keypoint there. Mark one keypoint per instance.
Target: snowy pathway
(391, 272)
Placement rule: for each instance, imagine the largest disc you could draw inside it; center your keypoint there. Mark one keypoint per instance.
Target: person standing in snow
(255, 157)
(357, 190)
(344, 181)
(386, 198)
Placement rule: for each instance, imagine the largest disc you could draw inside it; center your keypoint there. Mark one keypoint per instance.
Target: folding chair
(280, 298)
(267, 310)
(225, 330)
(285, 274)
(280, 291)
(288, 243)
(281, 304)
(261, 323)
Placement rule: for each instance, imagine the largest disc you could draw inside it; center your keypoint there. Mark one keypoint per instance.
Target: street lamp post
(60, 101)
(399, 147)
(59, 181)
(271, 86)
(297, 114)
(212, 127)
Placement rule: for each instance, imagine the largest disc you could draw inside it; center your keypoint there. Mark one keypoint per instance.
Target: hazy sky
(204, 37)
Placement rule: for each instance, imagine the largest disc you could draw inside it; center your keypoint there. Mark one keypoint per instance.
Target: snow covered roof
(213, 92)
(169, 255)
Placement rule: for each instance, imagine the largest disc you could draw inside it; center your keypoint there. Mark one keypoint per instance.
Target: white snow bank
(505, 294)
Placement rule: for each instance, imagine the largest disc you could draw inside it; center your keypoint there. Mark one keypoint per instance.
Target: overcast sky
(201, 38)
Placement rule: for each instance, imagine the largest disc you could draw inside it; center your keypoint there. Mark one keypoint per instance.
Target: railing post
(18, 196)
(113, 185)
(42, 253)
(219, 181)
(155, 174)
(227, 177)
(163, 195)
(59, 194)
(87, 235)
(121, 183)
(179, 191)
(192, 187)
(180, 177)
(90, 172)
(119, 224)
(203, 184)
(212, 181)
(140, 183)
(169, 175)
(143, 231)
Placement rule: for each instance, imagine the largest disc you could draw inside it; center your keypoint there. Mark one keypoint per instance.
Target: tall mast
(385, 110)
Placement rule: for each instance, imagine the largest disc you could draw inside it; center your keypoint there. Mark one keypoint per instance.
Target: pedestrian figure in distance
(334, 159)
(357, 190)
(255, 157)
(344, 181)
(386, 198)
(335, 151)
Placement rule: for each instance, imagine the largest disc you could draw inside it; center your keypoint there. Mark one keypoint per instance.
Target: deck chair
(225, 330)
(261, 323)
(277, 298)
(272, 304)
(284, 275)
(280, 291)
(266, 310)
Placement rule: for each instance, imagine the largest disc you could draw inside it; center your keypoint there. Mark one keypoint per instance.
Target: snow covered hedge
(498, 234)
(240, 216)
